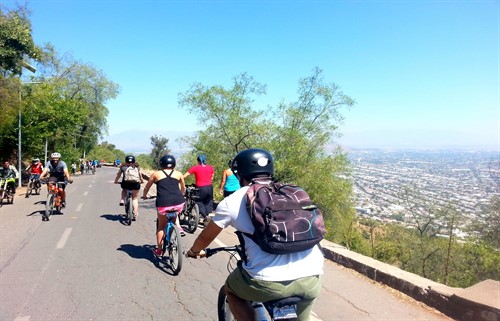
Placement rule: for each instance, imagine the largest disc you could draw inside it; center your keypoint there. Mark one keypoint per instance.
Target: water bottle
(260, 311)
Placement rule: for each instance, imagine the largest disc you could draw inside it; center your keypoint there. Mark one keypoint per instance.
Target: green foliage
(296, 134)
(160, 148)
(63, 108)
(16, 41)
(106, 152)
(146, 162)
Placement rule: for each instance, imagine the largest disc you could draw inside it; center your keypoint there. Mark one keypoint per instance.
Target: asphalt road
(85, 264)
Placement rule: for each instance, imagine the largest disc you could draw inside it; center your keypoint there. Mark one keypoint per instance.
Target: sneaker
(135, 217)
(181, 231)
(63, 204)
(157, 252)
(122, 202)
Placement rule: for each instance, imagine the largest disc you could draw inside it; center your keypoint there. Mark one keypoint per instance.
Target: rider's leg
(162, 223)
(135, 202)
(123, 195)
(241, 309)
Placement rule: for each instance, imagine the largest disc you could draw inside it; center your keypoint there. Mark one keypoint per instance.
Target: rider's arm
(204, 239)
(66, 174)
(44, 173)
(118, 175)
(223, 181)
(182, 184)
(150, 182)
(186, 174)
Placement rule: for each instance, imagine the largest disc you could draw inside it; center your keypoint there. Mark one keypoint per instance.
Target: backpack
(132, 174)
(284, 217)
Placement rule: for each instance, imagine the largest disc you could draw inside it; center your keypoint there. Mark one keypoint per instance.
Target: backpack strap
(241, 239)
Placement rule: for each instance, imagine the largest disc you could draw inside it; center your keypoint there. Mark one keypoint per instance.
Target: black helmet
(253, 162)
(167, 161)
(129, 159)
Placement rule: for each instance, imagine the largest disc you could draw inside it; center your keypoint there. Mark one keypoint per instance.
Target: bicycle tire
(193, 217)
(173, 249)
(129, 211)
(223, 311)
(49, 207)
(29, 191)
(11, 198)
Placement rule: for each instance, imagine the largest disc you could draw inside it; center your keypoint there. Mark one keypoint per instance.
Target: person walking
(204, 176)
(170, 189)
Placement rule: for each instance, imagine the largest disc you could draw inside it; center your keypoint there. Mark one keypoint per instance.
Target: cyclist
(229, 182)
(170, 188)
(57, 171)
(128, 185)
(9, 172)
(35, 169)
(263, 276)
(204, 175)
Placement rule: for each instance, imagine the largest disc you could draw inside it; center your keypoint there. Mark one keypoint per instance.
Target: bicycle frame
(54, 199)
(172, 252)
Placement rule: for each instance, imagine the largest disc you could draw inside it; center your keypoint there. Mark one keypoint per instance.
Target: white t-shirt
(261, 265)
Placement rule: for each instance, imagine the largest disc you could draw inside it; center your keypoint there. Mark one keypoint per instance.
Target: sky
(422, 73)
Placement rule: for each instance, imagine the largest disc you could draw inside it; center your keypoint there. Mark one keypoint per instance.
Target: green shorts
(244, 286)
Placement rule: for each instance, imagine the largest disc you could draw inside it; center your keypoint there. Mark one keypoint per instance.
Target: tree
(64, 109)
(16, 41)
(296, 134)
(160, 148)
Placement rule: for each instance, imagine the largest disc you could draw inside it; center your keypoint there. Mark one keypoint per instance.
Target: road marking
(64, 238)
(90, 186)
(85, 193)
(219, 243)
(79, 207)
(26, 318)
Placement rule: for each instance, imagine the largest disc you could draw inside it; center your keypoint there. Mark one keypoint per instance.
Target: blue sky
(422, 73)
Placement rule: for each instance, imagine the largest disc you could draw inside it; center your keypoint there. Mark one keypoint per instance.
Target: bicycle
(281, 309)
(6, 193)
(34, 186)
(172, 253)
(129, 208)
(53, 203)
(190, 214)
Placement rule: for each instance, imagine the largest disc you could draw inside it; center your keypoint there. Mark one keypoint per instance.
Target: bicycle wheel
(2, 196)
(193, 217)
(49, 207)
(129, 214)
(223, 311)
(173, 249)
(29, 191)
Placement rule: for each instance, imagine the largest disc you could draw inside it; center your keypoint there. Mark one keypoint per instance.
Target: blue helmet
(202, 159)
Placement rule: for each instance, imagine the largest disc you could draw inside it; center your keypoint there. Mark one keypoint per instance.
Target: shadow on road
(115, 218)
(145, 252)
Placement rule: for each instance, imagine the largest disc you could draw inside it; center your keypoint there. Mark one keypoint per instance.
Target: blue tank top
(232, 183)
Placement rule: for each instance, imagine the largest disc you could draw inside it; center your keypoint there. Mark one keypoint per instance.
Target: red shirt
(36, 169)
(203, 174)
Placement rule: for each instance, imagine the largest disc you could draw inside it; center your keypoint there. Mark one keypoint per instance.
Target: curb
(480, 302)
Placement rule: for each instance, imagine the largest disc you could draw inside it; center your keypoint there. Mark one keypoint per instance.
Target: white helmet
(55, 155)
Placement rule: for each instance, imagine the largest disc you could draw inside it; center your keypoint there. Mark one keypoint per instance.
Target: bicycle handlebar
(211, 251)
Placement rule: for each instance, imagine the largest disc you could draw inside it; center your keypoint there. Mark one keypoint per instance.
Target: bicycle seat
(284, 301)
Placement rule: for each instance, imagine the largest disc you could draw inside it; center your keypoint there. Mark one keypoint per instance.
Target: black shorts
(130, 186)
(54, 179)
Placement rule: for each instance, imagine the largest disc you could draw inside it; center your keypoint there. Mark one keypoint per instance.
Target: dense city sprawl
(465, 180)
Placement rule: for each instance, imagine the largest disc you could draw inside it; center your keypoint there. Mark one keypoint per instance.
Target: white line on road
(26, 318)
(79, 207)
(64, 238)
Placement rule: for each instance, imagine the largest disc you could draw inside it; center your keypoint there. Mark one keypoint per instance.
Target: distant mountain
(139, 141)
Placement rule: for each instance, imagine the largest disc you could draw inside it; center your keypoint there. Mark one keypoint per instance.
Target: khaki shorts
(244, 286)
